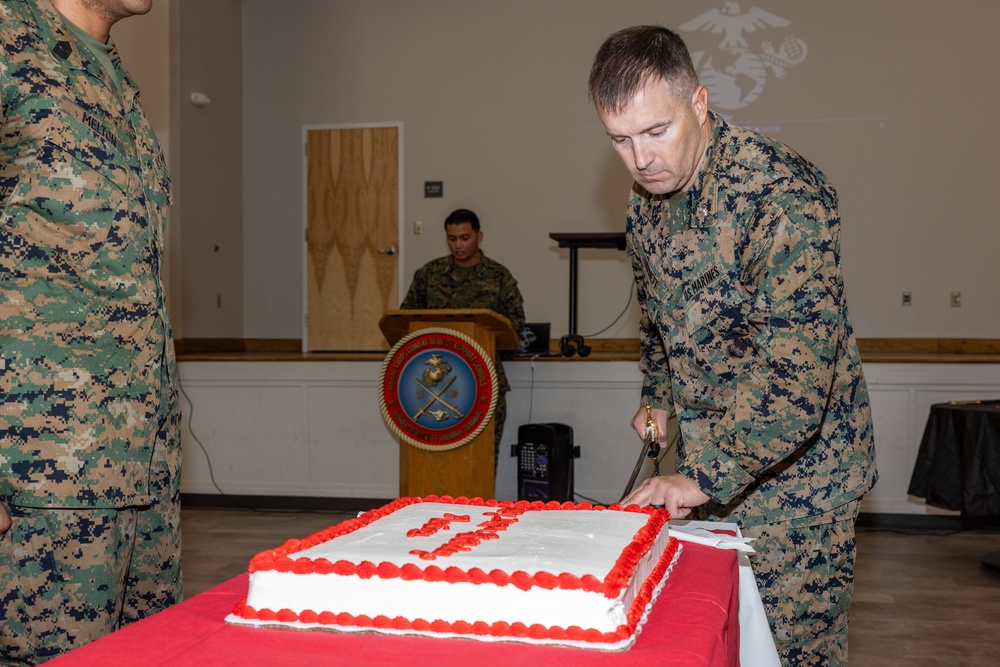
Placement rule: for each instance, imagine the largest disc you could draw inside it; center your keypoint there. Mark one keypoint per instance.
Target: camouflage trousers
(69, 576)
(805, 574)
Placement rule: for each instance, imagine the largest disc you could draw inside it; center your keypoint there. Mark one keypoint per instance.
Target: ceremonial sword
(650, 448)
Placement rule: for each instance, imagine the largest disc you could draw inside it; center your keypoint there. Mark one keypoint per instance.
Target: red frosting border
(278, 560)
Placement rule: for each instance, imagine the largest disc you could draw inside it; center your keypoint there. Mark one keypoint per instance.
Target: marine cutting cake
(546, 573)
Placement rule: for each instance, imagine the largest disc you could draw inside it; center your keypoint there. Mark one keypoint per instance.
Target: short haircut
(462, 216)
(632, 57)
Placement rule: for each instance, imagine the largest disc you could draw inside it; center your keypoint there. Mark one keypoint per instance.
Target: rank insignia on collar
(63, 49)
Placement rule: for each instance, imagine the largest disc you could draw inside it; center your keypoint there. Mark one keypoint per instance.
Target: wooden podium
(466, 470)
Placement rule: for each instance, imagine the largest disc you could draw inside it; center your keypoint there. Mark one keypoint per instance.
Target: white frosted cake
(563, 574)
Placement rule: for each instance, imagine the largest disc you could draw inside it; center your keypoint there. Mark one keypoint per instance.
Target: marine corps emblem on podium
(437, 389)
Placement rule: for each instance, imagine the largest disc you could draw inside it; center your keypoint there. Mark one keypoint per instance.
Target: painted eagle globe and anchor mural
(437, 389)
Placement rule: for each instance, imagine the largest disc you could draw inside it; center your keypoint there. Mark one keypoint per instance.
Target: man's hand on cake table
(5, 521)
(675, 492)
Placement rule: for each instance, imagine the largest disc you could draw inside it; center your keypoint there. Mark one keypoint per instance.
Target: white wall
(315, 429)
(208, 169)
(894, 101)
(178, 48)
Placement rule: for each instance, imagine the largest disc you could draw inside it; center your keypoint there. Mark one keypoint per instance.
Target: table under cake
(694, 621)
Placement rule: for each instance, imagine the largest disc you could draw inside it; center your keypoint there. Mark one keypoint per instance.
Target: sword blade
(635, 473)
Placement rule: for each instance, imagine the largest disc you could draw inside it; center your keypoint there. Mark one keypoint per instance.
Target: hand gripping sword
(650, 448)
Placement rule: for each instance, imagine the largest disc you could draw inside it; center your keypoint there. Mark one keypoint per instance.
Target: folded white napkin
(704, 532)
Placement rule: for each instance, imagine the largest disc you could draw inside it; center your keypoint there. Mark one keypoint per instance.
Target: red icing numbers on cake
(490, 529)
(435, 524)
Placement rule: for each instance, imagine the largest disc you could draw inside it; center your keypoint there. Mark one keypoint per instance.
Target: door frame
(400, 253)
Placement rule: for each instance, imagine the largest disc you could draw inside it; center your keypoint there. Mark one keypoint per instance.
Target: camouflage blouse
(85, 349)
(441, 284)
(744, 331)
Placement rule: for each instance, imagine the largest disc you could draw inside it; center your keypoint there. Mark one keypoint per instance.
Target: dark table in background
(958, 465)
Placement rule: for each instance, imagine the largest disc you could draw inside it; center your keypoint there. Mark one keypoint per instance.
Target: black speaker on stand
(545, 454)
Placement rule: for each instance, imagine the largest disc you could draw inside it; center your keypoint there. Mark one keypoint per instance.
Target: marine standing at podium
(734, 242)
(469, 279)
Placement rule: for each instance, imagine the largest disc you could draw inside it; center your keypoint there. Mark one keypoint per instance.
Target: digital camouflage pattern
(805, 572)
(86, 355)
(440, 283)
(744, 332)
(78, 574)
(89, 414)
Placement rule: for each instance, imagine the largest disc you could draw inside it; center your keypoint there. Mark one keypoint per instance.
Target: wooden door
(352, 236)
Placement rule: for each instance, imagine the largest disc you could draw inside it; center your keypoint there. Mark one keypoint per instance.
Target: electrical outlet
(418, 227)
(956, 299)
(907, 299)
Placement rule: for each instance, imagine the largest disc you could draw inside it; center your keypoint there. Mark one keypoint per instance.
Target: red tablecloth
(695, 621)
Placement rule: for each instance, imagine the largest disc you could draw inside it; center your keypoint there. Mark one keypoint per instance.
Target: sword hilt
(652, 443)
(651, 449)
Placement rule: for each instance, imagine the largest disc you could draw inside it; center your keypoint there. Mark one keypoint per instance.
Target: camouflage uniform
(89, 413)
(744, 331)
(488, 284)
